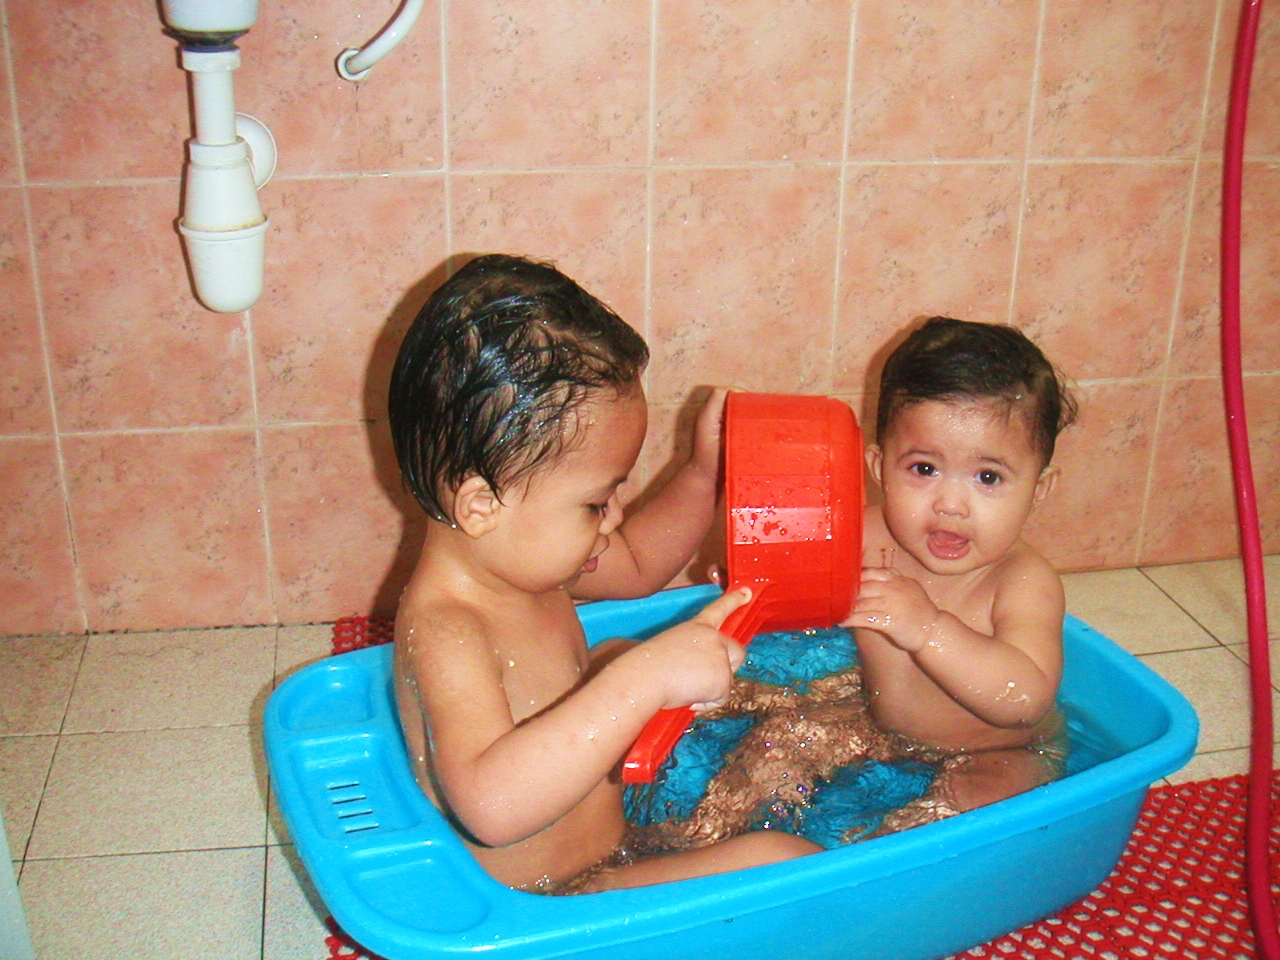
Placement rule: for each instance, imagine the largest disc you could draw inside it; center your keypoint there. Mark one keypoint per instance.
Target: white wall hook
(355, 64)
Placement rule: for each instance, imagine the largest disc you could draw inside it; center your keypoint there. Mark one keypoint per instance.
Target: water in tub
(794, 749)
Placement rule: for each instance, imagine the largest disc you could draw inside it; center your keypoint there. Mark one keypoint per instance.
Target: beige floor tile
(294, 925)
(181, 678)
(1218, 763)
(1213, 593)
(277, 831)
(1241, 650)
(24, 765)
(152, 791)
(1217, 684)
(298, 646)
(1131, 610)
(36, 676)
(202, 905)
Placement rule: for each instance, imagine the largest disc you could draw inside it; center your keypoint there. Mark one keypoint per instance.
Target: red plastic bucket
(794, 501)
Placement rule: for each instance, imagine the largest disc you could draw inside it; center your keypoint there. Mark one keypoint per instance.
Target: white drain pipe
(232, 155)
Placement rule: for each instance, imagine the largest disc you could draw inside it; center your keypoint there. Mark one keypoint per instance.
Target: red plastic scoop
(794, 500)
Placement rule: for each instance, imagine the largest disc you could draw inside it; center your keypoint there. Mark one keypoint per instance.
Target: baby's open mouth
(590, 565)
(946, 545)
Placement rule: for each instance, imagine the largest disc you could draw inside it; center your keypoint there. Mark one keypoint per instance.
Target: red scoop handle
(662, 731)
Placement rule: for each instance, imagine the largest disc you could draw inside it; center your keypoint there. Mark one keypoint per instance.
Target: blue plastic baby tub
(399, 881)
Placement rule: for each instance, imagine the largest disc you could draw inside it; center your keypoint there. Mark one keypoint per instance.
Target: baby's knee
(774, 846)
(990, 777)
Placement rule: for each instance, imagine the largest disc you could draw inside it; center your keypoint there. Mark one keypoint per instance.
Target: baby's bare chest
(541, 659)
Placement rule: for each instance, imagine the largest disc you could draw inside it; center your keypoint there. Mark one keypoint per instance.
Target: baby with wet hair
(958, 622)
(516, 411)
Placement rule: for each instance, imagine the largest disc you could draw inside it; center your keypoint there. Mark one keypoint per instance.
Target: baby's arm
(656, 541)
(506, 781)
(1008, 679)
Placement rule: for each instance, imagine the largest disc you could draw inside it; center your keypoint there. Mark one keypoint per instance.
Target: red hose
(1258, 823)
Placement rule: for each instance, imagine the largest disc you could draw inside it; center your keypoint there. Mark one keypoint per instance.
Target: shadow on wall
(377, 382)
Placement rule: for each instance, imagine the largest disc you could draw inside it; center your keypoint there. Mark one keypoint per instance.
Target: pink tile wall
(770, 191)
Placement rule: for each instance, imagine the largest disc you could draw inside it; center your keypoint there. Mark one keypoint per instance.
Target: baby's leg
(738, 853)
(984, 778)
(973, 780)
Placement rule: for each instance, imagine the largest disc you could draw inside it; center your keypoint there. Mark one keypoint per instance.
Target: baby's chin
(588, 567)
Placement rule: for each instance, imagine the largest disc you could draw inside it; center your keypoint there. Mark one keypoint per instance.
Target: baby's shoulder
(1023, 559)
(426, 619)
(1024, 576)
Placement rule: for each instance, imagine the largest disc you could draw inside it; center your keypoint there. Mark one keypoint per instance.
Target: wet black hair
(953, 360)
(491, 367)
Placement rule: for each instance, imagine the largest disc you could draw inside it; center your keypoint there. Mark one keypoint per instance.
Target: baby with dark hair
(517, 412)
(959, 621)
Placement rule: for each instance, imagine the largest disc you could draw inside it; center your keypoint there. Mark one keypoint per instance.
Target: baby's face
(959, 481)
(559, 523)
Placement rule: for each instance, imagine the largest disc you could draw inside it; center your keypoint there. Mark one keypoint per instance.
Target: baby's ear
(1047, 480)
(475, 506)
(875, 460)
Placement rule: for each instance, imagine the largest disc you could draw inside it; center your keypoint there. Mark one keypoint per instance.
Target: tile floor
(134, 787)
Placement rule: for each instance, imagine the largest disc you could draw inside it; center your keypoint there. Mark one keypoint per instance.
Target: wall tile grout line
(272, 574)
(649, 471)
(77, 574)
(657, 164)
(446, 142)
(1026, 166)
(1193, 189)
(851, 64)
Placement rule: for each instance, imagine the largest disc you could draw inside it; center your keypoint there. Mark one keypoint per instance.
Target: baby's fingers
(715, 612)
(712, 411)
(870, 619)
(705, 705)
(878, 574)
(736, 653)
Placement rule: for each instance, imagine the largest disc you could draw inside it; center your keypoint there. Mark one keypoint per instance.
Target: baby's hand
(896, 606)
(706, 434)
(693, 663)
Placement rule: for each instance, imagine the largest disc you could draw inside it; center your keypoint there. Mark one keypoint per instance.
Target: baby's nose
(951, 502)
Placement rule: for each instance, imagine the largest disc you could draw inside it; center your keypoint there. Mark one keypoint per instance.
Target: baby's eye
(599, 509)
(924, 469)
(988, 478)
